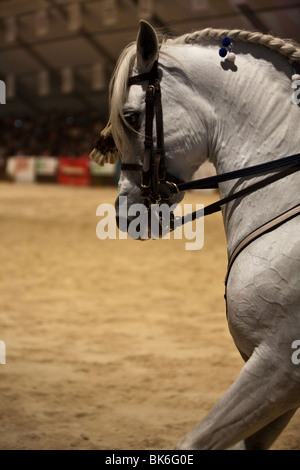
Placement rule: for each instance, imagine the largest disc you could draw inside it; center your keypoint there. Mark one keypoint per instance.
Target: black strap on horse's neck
(216, 206)
(287, 165)
(252, 171)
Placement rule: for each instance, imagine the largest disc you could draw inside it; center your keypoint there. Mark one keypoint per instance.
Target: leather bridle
(156, 184)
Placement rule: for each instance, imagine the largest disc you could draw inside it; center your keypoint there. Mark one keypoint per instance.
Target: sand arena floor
(109, 344)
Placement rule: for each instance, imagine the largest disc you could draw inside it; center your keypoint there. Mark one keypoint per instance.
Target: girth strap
(268, 227)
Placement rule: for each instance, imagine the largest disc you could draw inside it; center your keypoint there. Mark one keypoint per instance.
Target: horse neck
(255, 121)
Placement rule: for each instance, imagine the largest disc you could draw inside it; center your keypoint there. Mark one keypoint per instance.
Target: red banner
(74, 171)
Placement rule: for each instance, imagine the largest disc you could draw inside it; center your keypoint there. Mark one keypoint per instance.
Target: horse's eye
(132, 119)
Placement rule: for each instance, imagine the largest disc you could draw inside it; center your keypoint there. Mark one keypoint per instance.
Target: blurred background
(56, 59)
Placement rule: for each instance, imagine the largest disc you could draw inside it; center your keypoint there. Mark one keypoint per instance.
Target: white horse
(237, 114)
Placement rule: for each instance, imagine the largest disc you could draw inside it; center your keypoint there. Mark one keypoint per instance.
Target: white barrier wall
(29, 169)
(21, 169)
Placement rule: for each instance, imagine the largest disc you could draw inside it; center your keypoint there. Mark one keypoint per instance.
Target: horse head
(181, 131)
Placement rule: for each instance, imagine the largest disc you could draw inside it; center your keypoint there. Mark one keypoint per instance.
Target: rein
(158, 186)
(287, 165)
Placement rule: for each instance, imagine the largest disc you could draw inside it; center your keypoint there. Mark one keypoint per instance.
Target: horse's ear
(147, 47)
(105, 150)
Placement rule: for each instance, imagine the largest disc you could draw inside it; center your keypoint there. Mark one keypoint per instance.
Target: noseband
(156, 184)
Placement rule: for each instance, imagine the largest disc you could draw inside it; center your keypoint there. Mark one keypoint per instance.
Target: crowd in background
(52, 135)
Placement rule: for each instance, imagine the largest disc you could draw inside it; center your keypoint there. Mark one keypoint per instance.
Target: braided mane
(287, 48)
(105, 151)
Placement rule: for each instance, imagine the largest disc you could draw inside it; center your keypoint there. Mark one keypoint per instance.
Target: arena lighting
(98, 77)
(41, 22)
(109, 12)
(18, 123)
(43, 83)
(146, 9)
(74, 17)
(70, 120)
(11, 30)
(67, 80)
